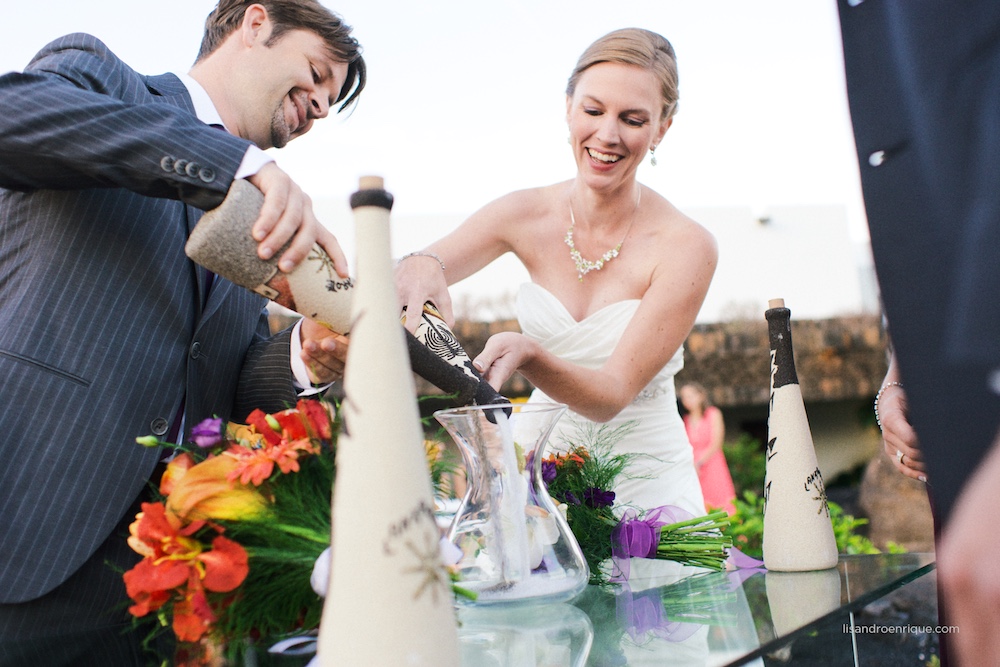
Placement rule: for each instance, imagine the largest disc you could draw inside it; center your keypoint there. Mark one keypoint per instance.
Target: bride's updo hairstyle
(634, 46)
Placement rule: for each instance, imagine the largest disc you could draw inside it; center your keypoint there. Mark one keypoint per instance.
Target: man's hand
(287, 215)
(323, 352)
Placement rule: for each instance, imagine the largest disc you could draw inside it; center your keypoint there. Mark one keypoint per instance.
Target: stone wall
(835, 359)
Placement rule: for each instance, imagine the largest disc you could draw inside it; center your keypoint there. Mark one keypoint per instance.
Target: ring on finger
(899, 456)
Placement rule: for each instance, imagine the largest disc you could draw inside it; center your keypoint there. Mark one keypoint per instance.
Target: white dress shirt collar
(203, 106)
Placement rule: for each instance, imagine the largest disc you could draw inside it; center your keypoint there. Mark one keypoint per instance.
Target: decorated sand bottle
(389, 600)
(515, 544)
(222, 243)
(434, 335)
(798, 534)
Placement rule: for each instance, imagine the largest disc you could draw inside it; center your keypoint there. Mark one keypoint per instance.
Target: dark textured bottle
(798, 534)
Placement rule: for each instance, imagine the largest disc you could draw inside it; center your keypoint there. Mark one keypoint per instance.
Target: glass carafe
(516, 546)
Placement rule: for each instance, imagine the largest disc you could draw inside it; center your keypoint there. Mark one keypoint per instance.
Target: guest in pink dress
(706, 431)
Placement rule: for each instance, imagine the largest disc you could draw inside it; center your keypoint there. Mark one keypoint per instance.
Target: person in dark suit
(923, 80)
(107, 330)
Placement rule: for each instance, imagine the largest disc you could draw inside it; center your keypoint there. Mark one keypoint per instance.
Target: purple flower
(208, 433)
(597, 498)
(548, 472)
(571, 499)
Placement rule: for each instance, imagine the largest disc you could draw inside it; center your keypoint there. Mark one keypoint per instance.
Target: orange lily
(205, 491)
(175, 470)
(244, 435)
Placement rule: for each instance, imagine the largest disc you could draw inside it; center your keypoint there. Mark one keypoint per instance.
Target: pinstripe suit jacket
(103, 330)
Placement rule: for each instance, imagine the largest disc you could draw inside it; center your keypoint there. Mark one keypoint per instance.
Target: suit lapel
(172, 89)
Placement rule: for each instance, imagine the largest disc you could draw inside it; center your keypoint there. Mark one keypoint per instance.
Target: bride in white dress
(618, 273)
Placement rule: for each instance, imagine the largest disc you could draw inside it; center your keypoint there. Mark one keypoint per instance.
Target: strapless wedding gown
(662, 472)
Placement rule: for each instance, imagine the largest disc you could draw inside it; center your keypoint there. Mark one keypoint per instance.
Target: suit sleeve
(266, 381)
(78, 117)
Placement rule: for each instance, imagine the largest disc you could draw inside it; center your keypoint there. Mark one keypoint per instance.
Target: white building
(806, 255)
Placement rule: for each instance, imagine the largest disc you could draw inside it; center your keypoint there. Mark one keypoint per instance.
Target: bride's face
(614, 119)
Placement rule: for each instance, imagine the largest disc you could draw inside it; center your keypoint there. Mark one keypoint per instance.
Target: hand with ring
(898, 436)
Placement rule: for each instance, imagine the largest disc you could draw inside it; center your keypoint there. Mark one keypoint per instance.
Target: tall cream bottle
(389, 600)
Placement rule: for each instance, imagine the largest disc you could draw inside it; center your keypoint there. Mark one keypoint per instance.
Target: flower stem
(464, 592)
(299, 531)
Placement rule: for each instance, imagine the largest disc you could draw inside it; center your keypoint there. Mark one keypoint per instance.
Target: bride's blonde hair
(639, 47)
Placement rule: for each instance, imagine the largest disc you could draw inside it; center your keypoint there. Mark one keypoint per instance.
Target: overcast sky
(465, 99)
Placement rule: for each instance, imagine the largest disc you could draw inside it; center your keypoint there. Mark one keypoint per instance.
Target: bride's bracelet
(878, 396)
(421, 254)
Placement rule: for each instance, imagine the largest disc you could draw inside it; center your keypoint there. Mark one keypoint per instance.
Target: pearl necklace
(585, 266)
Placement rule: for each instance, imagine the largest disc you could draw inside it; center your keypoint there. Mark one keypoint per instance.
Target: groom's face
(287, 86)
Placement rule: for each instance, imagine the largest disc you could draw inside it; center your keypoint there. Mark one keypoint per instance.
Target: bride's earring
(652, 156)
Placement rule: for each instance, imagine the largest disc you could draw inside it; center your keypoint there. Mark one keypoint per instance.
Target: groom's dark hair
(288, 15)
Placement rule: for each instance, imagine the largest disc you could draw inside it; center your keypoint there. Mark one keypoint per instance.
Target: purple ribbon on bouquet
(638, 538)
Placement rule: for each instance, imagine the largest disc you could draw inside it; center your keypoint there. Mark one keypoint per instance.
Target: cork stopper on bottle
(776, 303)
(371, 183)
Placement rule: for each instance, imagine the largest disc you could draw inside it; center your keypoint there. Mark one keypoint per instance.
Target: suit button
(192, 169)
(179, 166)
(195, 350)
(159, 426)
(877, 158)
(206, 174)
(167, 163)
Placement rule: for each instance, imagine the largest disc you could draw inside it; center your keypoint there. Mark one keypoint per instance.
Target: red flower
(287, 435)
(308, 419)
(179, 567)
(319, 418)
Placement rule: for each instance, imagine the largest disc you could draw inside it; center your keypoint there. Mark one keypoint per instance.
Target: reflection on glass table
(674, 615)
(667, 615)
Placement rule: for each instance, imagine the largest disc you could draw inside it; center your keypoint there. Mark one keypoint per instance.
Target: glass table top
(674, 615)
(666, 615)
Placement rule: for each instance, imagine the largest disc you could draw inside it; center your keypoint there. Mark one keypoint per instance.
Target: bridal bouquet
(580, 481)
(243, 516)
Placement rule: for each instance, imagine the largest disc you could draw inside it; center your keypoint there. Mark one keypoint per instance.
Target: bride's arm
(483, 237)
(659, 327)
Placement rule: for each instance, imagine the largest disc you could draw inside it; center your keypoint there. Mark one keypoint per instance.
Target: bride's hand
(898, 436)
(502, 355)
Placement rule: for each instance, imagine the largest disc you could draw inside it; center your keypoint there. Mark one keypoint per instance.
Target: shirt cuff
(303, 385)
(253, 161)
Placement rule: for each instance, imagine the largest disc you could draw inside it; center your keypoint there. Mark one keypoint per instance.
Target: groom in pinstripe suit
(107, 330)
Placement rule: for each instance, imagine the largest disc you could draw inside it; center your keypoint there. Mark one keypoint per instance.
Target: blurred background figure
(706, 431)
